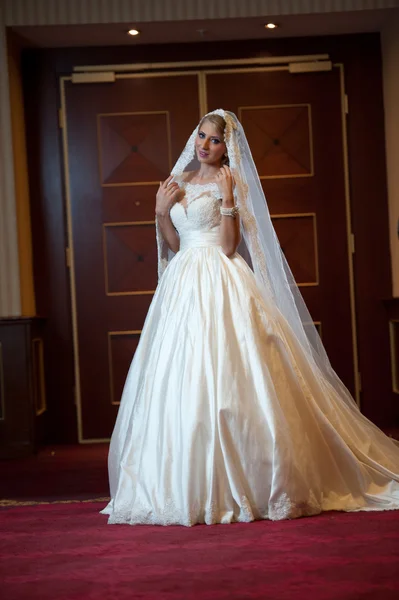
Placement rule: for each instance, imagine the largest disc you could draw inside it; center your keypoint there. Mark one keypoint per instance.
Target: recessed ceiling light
(133, 32)
(271, 25)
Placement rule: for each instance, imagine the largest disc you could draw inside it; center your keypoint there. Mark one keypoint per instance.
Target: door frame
(201, 69)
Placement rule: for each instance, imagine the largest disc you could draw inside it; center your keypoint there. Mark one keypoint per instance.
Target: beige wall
(16, 272)
(21, 179)
(10, 297)
(390, 50)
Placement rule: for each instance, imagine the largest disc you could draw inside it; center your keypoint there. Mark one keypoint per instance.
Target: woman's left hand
(225, 183)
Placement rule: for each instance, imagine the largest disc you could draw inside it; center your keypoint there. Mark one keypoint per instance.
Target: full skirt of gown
(223, 419)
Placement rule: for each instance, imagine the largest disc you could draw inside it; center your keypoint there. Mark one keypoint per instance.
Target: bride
(231, 410)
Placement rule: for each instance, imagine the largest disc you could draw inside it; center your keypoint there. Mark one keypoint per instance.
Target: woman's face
(209, 144)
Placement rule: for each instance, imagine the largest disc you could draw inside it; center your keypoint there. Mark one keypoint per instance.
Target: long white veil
(261, 248)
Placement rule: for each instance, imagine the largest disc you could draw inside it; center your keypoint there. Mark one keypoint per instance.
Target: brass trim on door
(202, 64)
(64, 133)
(355, 352)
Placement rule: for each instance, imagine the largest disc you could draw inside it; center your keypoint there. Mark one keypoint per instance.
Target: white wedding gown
(222, 418)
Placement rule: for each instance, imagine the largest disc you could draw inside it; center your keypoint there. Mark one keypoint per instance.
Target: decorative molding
(71, 12)
(10, 298)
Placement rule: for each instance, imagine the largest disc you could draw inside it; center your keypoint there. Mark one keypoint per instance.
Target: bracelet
(229, 212)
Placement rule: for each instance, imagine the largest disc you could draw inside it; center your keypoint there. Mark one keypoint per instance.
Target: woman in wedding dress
(231, 410)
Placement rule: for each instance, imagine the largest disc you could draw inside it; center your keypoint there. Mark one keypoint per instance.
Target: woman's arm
(230, 233)
(169, 232)
(166, 196)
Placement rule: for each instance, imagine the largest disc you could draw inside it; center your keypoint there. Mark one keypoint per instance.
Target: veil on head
(260, 247)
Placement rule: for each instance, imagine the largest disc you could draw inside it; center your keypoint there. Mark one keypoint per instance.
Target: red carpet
(67, 551)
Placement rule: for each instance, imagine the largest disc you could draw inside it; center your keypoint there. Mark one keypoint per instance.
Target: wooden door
(121, 140)
(295, 130)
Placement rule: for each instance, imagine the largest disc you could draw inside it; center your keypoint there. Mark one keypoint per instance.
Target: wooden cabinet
(22, 385)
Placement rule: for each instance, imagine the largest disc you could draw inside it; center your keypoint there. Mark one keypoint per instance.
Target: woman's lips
(202, 154)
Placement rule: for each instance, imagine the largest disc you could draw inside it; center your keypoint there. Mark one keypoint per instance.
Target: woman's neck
(207, 172)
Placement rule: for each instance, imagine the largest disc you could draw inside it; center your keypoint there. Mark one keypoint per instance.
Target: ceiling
(51, 36)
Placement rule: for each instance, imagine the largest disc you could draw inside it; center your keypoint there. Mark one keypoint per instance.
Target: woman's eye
(216, 141)
(201, 135)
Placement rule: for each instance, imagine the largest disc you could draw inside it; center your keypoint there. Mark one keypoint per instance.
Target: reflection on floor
(56, 473)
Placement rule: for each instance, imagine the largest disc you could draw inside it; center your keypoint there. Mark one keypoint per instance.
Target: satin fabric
(222, 419)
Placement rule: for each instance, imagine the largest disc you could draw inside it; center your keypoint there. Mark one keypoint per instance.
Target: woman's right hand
(166, 196)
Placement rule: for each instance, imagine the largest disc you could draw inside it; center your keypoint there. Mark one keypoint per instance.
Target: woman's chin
(206, 161)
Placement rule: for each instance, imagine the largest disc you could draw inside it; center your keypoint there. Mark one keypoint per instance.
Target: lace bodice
(199, 209)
